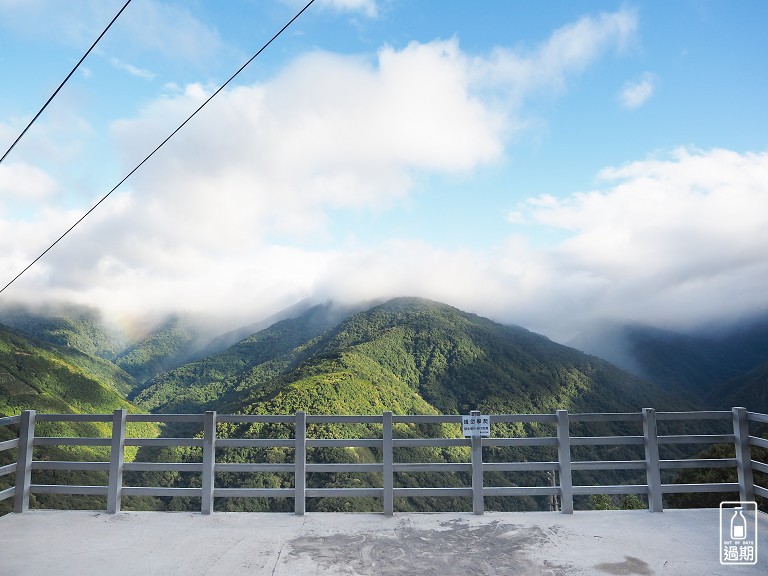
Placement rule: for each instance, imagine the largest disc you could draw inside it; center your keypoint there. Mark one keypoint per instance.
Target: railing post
(564, 460)
(652, 465)
(387, 457)
(116, 460)
(476, 443)
(209, 461)
(743, 455)
(24, 464)
(300, 480)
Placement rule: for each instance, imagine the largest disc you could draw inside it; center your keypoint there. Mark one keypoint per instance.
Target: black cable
(62, 84)
(251, 59)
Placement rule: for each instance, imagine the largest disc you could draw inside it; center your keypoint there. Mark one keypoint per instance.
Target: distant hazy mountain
(168, 346)
(749, 390)
(691, 365)
(402, 354)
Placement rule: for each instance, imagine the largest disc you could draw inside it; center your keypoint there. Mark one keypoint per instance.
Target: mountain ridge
(455, 361)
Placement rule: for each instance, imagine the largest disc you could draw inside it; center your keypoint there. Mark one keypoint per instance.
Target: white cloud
(169, 30)
(132, 70)
(368, 8)
(146, 26)
(635, 94)
(568, 51)
(195, 228)
(329, 132)
(680, 239)
(23, 181)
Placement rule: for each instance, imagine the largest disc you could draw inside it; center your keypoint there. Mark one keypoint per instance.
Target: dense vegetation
(45, 377)
(73, 327)
(408, 355)
(170, 345)
(455, 361)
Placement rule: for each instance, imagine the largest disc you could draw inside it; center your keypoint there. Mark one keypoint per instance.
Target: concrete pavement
(69, 543)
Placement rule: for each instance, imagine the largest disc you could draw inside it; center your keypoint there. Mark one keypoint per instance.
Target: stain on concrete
(631, 565)
(494, 549)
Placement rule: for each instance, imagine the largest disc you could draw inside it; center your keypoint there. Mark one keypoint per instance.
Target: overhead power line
(63, 82)
(171, 135)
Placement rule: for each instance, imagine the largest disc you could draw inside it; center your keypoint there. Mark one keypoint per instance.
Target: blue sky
(545, 164)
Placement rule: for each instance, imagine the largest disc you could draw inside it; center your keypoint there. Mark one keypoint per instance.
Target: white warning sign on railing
(476, 425)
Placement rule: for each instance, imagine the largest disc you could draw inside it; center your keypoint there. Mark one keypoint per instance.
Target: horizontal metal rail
(70, 441)
(707, 487)
(697, 439)
(699, 463)
(518, 466)
(160, 491)
(68, 465)
(9, 444)
(608, 465)
(256, 418)
(521, 491)
(426, 419)
(386, 447)
(331, 419)
(606, 417)
(162, 467)
(760, 442)
(9, 420)
(606, 440)
(519, 442)
(164, 418)
(254, 493)
(699, 415)
(74, 418)
(267, 467)
(68, 489)
(757, 417)
(523, 418)
(255, 443)
(612, 489)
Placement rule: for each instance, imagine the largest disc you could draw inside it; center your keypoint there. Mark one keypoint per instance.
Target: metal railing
(388, 445)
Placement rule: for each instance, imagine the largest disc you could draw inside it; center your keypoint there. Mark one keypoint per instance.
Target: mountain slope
(72, 326)
(40, 376)
(749, 390)
(49, 378)
(454, 362)
(170, 345)
(212, 381)
(691, 365)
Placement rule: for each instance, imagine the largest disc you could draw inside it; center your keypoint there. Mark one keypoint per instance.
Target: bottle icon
(738, 525)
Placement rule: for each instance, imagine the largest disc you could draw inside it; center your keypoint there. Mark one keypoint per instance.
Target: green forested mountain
(213, 381)
(51, 378)
(170, 345)
(40, 376)
(410, 356)
(452, 360)
(407, 355)
(71, 326)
